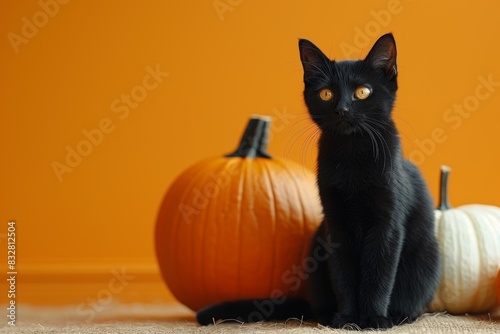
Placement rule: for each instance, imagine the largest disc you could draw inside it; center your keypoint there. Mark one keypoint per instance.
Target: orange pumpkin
(237, 226)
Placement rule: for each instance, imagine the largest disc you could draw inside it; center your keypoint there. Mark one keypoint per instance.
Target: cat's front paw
(343, 321)
(376, 322)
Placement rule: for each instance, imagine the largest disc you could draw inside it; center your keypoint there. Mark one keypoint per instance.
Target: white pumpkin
(469, 245)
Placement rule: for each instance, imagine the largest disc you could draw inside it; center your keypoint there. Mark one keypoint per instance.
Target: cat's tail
(253, 310)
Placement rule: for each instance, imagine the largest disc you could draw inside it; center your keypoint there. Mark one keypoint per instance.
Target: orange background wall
(68, 76)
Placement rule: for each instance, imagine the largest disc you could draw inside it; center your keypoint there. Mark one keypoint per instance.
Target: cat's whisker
(297, 136)
(373, 140)
(409, 137)
(309, 141)
(374, 135)
(298, 123)
(384, 143)
(404, 121)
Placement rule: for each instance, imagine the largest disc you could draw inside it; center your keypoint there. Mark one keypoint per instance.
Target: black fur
(384, 269)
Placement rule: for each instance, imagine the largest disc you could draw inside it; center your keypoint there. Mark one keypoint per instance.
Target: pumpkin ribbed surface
(469, 245)
(469, 241)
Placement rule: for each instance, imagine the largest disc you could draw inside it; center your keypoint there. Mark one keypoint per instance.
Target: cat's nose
(341, 111)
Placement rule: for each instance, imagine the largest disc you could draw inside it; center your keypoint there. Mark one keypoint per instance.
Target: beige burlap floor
(176, 319)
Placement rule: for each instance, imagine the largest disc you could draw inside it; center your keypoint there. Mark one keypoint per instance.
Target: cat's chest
(345, 175)
(352, 165)
(351, 174)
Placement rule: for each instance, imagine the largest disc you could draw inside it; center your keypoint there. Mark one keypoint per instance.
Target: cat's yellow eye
(326, 94)
(363, 92)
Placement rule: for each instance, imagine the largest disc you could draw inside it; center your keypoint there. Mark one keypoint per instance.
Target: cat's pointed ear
(383, 55)
(311, 56)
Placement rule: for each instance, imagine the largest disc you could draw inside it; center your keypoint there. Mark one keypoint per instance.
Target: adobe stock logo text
(32, 25)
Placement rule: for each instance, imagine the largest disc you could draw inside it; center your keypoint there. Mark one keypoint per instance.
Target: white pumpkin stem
(253, 143)
(443, 189)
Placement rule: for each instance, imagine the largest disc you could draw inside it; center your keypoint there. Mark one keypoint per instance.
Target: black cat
(384, 268)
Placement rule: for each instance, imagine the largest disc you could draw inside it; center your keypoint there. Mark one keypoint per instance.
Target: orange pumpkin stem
(443, 189)
(254, 142)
